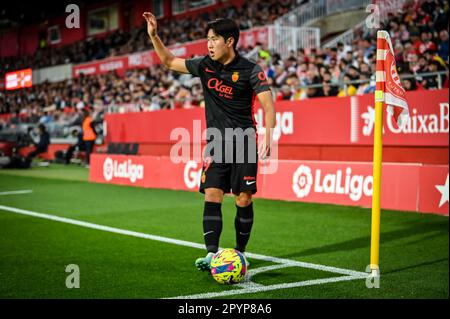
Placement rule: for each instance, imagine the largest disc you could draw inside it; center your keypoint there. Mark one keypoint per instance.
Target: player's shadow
(427, 263)
(435, 229)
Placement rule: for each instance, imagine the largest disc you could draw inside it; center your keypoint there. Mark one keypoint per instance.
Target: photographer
(42, 145)
(80, 146)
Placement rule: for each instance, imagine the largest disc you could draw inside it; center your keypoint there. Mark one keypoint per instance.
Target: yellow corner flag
(389, 91)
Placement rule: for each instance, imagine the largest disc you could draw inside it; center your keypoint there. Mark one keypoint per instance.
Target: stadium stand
(249, 15)
(419, 32)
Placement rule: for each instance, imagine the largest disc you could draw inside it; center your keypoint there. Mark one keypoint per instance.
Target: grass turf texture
(34, 252)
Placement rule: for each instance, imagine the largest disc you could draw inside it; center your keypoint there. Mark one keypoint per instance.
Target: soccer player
(230, 83)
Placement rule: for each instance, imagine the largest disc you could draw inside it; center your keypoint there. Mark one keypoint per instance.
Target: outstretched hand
(151, 23)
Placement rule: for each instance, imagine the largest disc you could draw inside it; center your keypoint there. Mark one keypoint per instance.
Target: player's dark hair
(226, 28)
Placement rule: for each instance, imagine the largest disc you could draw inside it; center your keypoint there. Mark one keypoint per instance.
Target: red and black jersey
(229, 90)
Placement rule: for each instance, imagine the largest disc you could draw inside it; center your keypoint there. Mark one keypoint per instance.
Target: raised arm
(166, 57)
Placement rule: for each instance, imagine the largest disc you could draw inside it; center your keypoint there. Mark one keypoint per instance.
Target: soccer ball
(228, 266)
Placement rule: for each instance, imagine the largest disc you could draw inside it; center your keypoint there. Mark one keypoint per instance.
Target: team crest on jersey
(235, 76)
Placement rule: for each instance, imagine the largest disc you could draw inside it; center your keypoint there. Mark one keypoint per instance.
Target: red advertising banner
(148, 58)
(405, 187)
(119, 64)
(433, 186)
(428, 123)
(253, 36)
(319, 121)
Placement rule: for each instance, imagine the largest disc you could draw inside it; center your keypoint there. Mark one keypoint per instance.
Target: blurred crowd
(419, 33)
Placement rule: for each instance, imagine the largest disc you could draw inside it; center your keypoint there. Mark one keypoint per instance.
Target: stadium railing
(347, 37)
(284, 39)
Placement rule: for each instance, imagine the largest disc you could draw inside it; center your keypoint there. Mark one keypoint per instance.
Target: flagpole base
(375, 273)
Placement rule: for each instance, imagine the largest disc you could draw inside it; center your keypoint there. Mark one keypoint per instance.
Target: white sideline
(246, 287)
(25, 191)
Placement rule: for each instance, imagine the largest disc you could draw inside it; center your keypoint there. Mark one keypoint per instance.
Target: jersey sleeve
(193, 65)
(258, 80)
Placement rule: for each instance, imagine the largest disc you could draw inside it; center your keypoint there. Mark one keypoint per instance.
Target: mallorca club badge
(235, 76)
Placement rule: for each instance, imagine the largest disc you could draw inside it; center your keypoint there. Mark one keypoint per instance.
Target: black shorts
(233, 176)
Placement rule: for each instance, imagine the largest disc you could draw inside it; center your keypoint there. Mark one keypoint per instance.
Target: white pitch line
(247, 283)
(179, 242)
(25, 191)
(101, 227)
(258, 288)
(255, 271)
(277, 260)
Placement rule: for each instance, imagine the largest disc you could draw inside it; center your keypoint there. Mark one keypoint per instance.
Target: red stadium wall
(28, 40)
(336, 129)
(145, 59)
(69, 36)
(9, 44)
(22, 41)
(407, 187)
(139, 7)
(25, 40)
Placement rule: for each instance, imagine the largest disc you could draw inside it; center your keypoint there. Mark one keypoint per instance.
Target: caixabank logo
(343, 182)
(125, 169)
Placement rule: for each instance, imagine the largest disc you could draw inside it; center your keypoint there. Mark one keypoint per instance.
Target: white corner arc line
(25, 191)
(258, 288)
(180, 242)
(341, 271)
(253, 272)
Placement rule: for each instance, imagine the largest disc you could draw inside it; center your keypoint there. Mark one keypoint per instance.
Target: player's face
(217, 48)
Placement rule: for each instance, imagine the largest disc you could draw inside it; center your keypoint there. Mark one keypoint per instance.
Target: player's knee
(244, 199)
(213, 195)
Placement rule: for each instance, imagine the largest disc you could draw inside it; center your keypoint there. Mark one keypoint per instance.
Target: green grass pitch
(34, 252)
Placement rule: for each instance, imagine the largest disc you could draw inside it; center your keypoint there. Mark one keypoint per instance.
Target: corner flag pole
(377, 155)
(376, 197)
(389, 91)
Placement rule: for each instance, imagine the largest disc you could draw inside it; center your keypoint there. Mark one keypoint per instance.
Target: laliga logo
(192, 174)
(355, 186)
(108, 168)
(114, 169)
(302, 181)
(284, 124)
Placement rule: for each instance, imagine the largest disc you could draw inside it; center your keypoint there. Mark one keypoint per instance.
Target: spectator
(329, 89)
(284, 94)
(41, 145)
(89, 134)
(433, 81)
(443, 45)
(365, 87)
(410, 84)
(348, 88)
